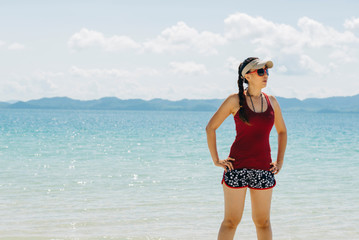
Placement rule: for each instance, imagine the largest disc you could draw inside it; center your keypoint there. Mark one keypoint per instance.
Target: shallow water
(148, 175)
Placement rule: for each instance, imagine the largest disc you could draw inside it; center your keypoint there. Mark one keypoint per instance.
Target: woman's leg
(233, 209)
(261, 202)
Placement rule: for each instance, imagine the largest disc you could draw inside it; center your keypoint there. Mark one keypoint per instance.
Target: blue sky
(175, 49)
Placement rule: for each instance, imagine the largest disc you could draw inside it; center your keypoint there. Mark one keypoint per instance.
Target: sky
(175, 49)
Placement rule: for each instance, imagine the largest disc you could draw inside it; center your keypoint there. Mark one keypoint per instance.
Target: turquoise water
(148, 175)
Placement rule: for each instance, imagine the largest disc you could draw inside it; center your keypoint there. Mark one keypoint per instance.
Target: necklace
(254, 110)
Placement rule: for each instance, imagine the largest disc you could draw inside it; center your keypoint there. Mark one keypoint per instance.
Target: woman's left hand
(276, 167)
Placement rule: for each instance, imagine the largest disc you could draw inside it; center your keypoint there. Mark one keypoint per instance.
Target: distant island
(327, 105)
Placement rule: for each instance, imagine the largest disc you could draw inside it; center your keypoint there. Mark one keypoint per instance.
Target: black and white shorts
(252, 178)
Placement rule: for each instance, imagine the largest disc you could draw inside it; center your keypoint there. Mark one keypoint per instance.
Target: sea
(88, 174)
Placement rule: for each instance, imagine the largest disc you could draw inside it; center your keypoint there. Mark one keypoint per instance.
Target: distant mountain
(4, 104)
(332, 104)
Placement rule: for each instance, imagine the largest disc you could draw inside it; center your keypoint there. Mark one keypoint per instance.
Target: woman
(249, 164)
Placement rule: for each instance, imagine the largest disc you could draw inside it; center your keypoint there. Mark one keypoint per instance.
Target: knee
(261, 222)
(231, 222)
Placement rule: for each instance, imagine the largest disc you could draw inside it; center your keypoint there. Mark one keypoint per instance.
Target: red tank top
(251, 147)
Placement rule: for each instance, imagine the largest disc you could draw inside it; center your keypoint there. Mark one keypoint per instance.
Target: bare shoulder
(230, 104)
(233, 100)
(226, 108)
(273, 101)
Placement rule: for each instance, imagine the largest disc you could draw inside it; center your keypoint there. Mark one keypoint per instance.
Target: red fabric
(251, 147)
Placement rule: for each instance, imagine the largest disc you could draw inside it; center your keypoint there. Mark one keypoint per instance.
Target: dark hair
(241, 80)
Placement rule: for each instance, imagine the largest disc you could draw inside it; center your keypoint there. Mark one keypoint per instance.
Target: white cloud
(16, 46)
(32, 86)
(315, 34)
(99, 73)
(308, 63)
(88, 38)
(342, 55)
(309, 48)
(112, 73)
(284, 38)
(282, 69)
(2, 43)
(147, 71)
(352, 23)
(232, 64)
(189, 68)
(78, 83)
(181, 37)
(309, 54)
(260, 31)
(48, 74)
(48, 80)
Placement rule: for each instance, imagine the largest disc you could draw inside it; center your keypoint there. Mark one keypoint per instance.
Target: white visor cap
(256, 64)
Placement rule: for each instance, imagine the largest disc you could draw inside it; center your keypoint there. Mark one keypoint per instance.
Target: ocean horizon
(327, 105)
(115, 174)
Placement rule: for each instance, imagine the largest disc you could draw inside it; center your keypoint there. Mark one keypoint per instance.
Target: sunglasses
(261, 71)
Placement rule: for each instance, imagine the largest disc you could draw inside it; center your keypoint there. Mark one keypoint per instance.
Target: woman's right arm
(217, 119)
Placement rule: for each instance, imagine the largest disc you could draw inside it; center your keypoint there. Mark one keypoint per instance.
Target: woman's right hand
(226, 164)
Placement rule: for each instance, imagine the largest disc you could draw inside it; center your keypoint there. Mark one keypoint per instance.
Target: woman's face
(254, 79)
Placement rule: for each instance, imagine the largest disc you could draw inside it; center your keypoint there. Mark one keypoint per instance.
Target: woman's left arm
(282, 136)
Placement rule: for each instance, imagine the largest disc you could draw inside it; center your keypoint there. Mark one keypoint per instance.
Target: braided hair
(241, 80)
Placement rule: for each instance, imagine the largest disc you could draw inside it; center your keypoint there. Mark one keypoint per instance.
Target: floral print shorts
(252, 178)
